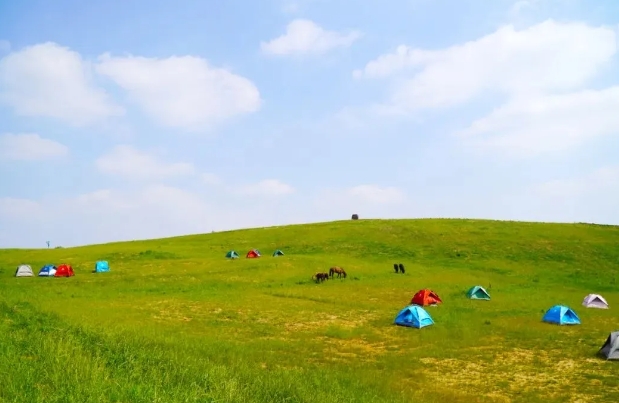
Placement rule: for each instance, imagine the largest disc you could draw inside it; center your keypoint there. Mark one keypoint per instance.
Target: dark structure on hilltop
(355, 216)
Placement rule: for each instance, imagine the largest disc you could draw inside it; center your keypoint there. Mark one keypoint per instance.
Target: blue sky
(138, 119)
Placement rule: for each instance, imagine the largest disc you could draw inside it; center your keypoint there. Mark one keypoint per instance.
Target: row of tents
(414, 315)
(63, 270)
(252, 254)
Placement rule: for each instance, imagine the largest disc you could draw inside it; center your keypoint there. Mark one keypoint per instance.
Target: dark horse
(402, 268)
(395, 267)
(338, 270)
(320, 277)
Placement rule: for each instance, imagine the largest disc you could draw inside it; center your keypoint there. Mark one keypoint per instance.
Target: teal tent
(414, 316)
(232, 255)
(278, 253)
(478, 292)
(102, 266)
(561, 315)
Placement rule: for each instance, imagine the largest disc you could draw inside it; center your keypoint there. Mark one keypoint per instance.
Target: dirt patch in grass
(519, 372)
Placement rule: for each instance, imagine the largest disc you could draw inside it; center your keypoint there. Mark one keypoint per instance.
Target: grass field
(174, 321)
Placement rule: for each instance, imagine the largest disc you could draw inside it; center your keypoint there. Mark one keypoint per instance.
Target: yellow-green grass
(175, 321)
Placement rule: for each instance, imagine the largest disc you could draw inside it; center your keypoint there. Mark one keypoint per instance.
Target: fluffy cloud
(30, 147)
(530, 126)
(306, 37)
(152, 211)
(184, 92)
(19, 209)
(49, 80)
(267, 187)
(589, 197)
(586, 185)
(128, 162)
(365, 200)
(545, 57)
(540, 70)
(211, 179)
(376, 194)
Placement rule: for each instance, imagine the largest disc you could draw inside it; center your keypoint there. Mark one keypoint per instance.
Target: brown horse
(320, 277)
(338, 270)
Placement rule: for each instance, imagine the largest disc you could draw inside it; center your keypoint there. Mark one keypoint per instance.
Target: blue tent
(561, 315)
(47, 271)
(102, 266)
(414, 316)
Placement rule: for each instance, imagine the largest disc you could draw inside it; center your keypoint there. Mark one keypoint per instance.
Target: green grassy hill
(174, 321)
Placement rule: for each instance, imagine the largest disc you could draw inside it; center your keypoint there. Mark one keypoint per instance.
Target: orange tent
(252, 254)
(64, 270)
(426, 297)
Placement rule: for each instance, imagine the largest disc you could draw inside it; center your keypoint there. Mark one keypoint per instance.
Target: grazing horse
(320, 277)
(395, 267)
(402, 268)
(338, 270)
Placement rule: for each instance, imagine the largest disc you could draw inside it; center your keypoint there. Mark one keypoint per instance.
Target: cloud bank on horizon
(186, 118)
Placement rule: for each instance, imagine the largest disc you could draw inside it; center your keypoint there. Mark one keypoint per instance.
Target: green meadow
(174, 321)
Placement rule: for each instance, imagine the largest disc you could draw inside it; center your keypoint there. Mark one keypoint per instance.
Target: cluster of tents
(414, 315)
(252, 254)
(63, 270)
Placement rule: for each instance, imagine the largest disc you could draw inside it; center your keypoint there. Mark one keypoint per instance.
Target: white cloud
(184, 92)
(590, 197)
(211, 179)
(49, 80)
(126, 161)
(306, 37)
(19, 209)
(545, 57)
(376, 194)
(267, 187)
(603, 179)
(30, 147)
(541, 71)
(363, 195)
(530, 126)
(369, 201)
(153, 211)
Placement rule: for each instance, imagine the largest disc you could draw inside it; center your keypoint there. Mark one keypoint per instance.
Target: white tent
(24, 270)
(595, 301)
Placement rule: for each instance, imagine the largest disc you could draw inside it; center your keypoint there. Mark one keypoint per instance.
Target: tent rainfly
(64, 270)
(426, 297)
(252, 254)
(47, 271)
(595, 301)
(232, 255)
(610, 349)
(478, 292)
(24, 270)
(102, 266)
(413, 316)
(561, 315)
(278, 253)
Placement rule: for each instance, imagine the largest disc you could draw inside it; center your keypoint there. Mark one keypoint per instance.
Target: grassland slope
(174, 321)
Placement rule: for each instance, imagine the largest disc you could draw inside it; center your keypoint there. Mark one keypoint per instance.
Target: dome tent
(24, 270)
(102, 266)
(47, 271)
(413, 316)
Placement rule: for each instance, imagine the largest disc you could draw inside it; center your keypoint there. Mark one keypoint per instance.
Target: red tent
(426, 297)
(252, 254)
(64, 270)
